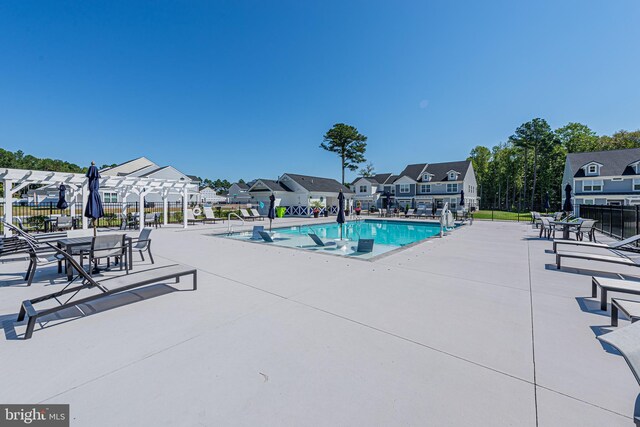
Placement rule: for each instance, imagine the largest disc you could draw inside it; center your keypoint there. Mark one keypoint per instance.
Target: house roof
(194, 178)
(319, 184)
(272, 185)
(380, 178)
(614, 162)
(241, 185)
(439, 171)
(128, 167)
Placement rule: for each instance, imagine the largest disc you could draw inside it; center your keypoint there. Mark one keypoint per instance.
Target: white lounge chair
(614, 245)
(245, 215)
(210, 216)
(192, 219)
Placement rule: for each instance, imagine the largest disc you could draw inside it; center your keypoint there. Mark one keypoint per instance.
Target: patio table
(71, 243)
(566, 227)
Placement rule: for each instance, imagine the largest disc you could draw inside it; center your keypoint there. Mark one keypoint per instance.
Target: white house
(238, 193)
(369, 190)
(298, 192)
(209, 195)
(145, 168)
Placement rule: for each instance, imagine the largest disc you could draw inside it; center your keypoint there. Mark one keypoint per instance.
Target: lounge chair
(245, 215)
(612, 285)
(615, 245)
(255, 234)
(191, 219)
(143, 243)
(107, 286)
(210, 216)
(631, 309)
(627, 341)
(364, 246)
(25, 227)
(318, 241)
(594, 257)
(265, 236)
(38, 257)
(255, 215)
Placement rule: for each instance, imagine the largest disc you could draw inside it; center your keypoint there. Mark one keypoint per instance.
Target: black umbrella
(547, 202)
(567, 207)
(340, 219)
(94, 208)
(461, 197)
(62, 203)
(272, 209)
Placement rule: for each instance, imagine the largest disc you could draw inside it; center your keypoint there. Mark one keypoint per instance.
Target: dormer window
(593, 169)
(426, 177)
(452, 176)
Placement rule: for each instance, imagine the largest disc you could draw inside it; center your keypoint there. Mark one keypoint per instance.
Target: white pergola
(14, 180)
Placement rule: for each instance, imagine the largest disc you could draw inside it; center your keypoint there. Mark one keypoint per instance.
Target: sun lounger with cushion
(108, 286)
(594, 257)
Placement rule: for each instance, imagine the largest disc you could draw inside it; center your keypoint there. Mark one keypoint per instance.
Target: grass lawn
(502, 216)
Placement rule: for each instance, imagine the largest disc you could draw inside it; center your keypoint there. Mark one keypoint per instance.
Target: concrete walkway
(477, 328)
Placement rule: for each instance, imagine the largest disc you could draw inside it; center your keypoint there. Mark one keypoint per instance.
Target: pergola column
(8, 204)
(165, 208)
(185, 199)
(85, 200)
(141, 210)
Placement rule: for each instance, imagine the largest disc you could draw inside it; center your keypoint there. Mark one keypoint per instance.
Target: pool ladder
(229, 226)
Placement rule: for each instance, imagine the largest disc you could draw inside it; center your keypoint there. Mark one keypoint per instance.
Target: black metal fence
(616, 221)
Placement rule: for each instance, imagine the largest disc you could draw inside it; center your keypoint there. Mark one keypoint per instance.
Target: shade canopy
(94, 209)
(567, 207)
(62, 202)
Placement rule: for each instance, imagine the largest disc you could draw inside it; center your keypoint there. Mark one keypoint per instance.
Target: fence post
(637, 223)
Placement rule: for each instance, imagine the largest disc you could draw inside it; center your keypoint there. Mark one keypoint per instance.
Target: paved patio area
(477, 328)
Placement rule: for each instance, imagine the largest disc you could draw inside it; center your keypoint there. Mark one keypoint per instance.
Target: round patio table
(566, 227)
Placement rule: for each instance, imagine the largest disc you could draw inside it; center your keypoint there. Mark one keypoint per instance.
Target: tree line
(526, 170)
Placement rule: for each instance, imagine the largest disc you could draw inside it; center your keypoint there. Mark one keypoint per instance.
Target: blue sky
(246, 89)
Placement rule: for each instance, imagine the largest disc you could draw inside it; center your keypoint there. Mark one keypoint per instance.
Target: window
(110, 197)
(426, 177)
(588, 202)
(636, 185)
(593, 169)
(452, 176)
(591, 186)
(452, 188)
(362, 189)
(425, 188)
(404, 188)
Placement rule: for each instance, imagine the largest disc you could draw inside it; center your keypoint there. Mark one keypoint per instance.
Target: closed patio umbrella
(62, 203)
(94, 209)
(272, 209)
(341, 218)
(567, 207)
(461, 197)
(547, 202)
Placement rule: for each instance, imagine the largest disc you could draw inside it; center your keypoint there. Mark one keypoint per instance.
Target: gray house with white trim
(603, 177)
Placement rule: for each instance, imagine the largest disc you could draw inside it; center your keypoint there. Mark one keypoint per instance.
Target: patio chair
(64, 223)
(245, 215)
(411, 214)
(558, 216)
(586, 227)
(615, 245)
(255, 233)
(151, 219)
(319, 242)
(107, 246)
(38, 257)
(209, 215)
(108, 286)
(143, 243)
(191, 219)
(364, 246)
(547, 228)
(25, 227)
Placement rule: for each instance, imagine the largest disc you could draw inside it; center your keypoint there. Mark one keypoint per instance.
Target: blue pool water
(393, 233)
(387, 236)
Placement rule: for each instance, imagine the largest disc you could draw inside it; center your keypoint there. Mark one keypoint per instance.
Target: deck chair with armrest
(107, 286)
(106, 246)
(64, 223)
(150, 219)
(143, 243)
(245, 215)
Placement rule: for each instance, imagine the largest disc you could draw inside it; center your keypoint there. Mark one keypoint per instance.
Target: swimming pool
(387, 236)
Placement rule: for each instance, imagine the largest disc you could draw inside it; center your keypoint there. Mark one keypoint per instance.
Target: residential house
(369, 191)
(238, 193)
(431, 185)
(298, 192)
(143, 167)
(603, 177)
(209, 195)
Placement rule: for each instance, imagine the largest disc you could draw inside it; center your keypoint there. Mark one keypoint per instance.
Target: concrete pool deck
(475, 328)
